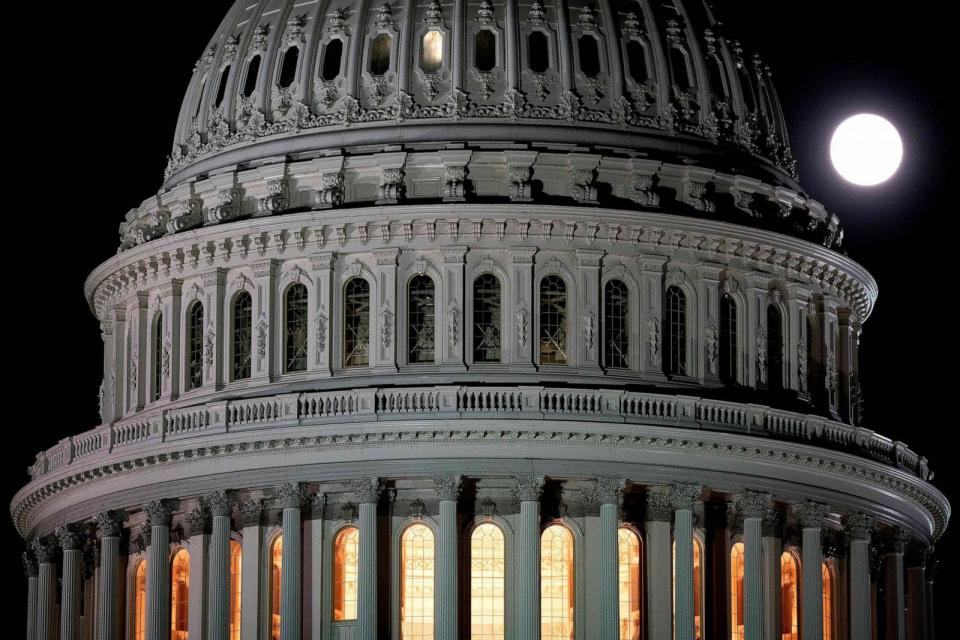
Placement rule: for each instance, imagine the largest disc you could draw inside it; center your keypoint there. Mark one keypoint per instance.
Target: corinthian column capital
(448, 487)
(752, 504)
(811, 514)
(683, 496)
(529, 488)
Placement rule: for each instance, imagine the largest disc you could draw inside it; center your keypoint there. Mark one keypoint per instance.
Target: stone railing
(452, 402)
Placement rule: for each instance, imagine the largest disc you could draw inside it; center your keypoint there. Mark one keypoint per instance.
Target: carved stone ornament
(453, 326)
(895, 540)
(653, 340)
(448, 487)
(391, 185)
(811, 514)
(291, 495)
(522, 325)
(30, 567)
(132, 371)
(322, 330)
(454, 188)
(195, 523)
(70, 537)
(659, 506)
(802, 365)
(248, 513)
(583, 186)
(44, 550)
(386, 327)
(610, 490)
(711, 333)
(277, 198)
(209, 346)
(685, 496)
(263, 335)
(330, 193)
(101, 399)
(589, 328)
(165, 359)
(859, 526)
(529, 488)
(159, 513)
(367, 490)
(108, 524)
(761, 355)
(752, 504)
(642, 190)
(219, 503)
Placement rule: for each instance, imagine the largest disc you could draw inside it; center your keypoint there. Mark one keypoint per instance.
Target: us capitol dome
(479, 319)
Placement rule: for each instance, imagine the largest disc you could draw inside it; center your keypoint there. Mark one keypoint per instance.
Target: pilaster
(264, 333)
(452, 324)
(651, 316)
(707, 359)
(587, 335)
(859, 528)
(756, 323)
(321, 333)
(383, 327)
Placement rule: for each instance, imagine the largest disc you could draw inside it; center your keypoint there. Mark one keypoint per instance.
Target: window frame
(371, 324)
(286, 347)
(470, 321)
(435, 320)
(564, 323)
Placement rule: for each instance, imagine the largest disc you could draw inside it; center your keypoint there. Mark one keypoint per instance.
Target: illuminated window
(180, 596)
(195, 346)
(157, 356)
(485, 50)
(637, 61)
(288, 68)
(140, 602)
(346, 551)
(553, 320)
(630, 581)
(697, 587)
(789, 597)
(356, 323)
(589, 56)
(416, 583)
(487, 579)
(675, 341)
(250, 81)
(380, 54)
(332, 56)
(486, 318)
(296, 329)
(276, 575)
(616, 323)
(222, 89)
(827, 575)
(728, 340)
(431, 51)
(242, 335)
(556, 583)
(774, 348)
(236, 564)
(736, 592)
(421, 319)
(538, 52)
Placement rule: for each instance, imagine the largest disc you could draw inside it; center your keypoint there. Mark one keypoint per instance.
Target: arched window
(140, 602)
(416, 583)
(203, 85)
(746, 86)
(629, 553)
(380, 54)
(485, 50)
(637, 61)
(789, 597)
(774, 348)
(486, 318)
(729, 372)
(556, 583)
(697, 586)
(276, 577)
(346, 555)
(675, 341)
(242, 335)
(295, 329)
(288, 68)
(616, 323)
(589, 51)
(236, 565)
(431, 51)
(180, 596)
(678, 64)
(487, 580)
(827, 576)
(736, 591)
(421, 319)
(195, 346)
(250, 80)
(356, 323)
(222, 89)
(332, 56)
(538, 52)
(718, 77)
(553, 320)
(157, 357)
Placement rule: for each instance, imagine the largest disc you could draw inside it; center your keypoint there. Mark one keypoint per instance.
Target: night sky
(92, 112)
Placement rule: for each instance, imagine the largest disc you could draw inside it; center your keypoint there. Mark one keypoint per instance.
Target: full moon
(866, 149)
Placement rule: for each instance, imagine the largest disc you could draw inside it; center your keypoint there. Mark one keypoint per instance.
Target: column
(291, 499)
(108, 530)
(527, 545)
(771, 533)
(754, 506)
(313, 599)
(218, 602)
(71, 542)
(367, 492)
(916, 592)
(448, 490)
(610, 496)
(586, 311)
(158, 570)
(651, 310)
(859, 529)
(708, 320)
(196, 529)
(896, 624)
(811, 516)
(320, 360)
(31, 570)
(46, 554)
(684, 498)
(658, 515)
(248, 514)
(452, 324)
(931, 575)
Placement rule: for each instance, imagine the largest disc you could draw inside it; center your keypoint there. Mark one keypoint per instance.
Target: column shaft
(250, 582)
(658, 579)
(895, 615)
(812, 607)
(46, 601)
(752, 578)
(290, 576)
(609, 573)
(219, 593)
(367, 589)
(860, 590)
(109, 577)
(528, 571)
(70, 595)
(683, 582)
(32, 607)
(771, 587)
(158, 583)
(447, 572)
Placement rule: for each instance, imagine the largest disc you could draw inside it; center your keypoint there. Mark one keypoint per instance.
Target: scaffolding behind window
(296, 330)
(729, 372)
(242, 335)
(157, 357)
(616, 323)
(553, 320)
(486, 318)
(356, 323)
(195, 346)
(421, 319)
(774, 348)
(675, 342)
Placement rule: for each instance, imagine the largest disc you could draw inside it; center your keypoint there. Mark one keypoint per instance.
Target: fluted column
(658, 515)
(158, 571)
(528, 490)
(71, 542)
(218, 602)
(896, 624)
(291, 499)
(811, 516)
(46, 553)
(931, 575)
(30, 569)
(610, 495)
(684, 498)
(771, 532)
(367, 492)
(859, 529)
(314, 602)
(248, 514)
(108, 531)
(916, 591)
(196, 527)
(754, 506)
(448, 490)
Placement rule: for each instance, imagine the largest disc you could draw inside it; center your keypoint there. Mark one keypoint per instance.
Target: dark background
(94, 103)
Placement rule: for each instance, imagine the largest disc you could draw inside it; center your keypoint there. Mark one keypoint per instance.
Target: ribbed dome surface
(656, 78)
